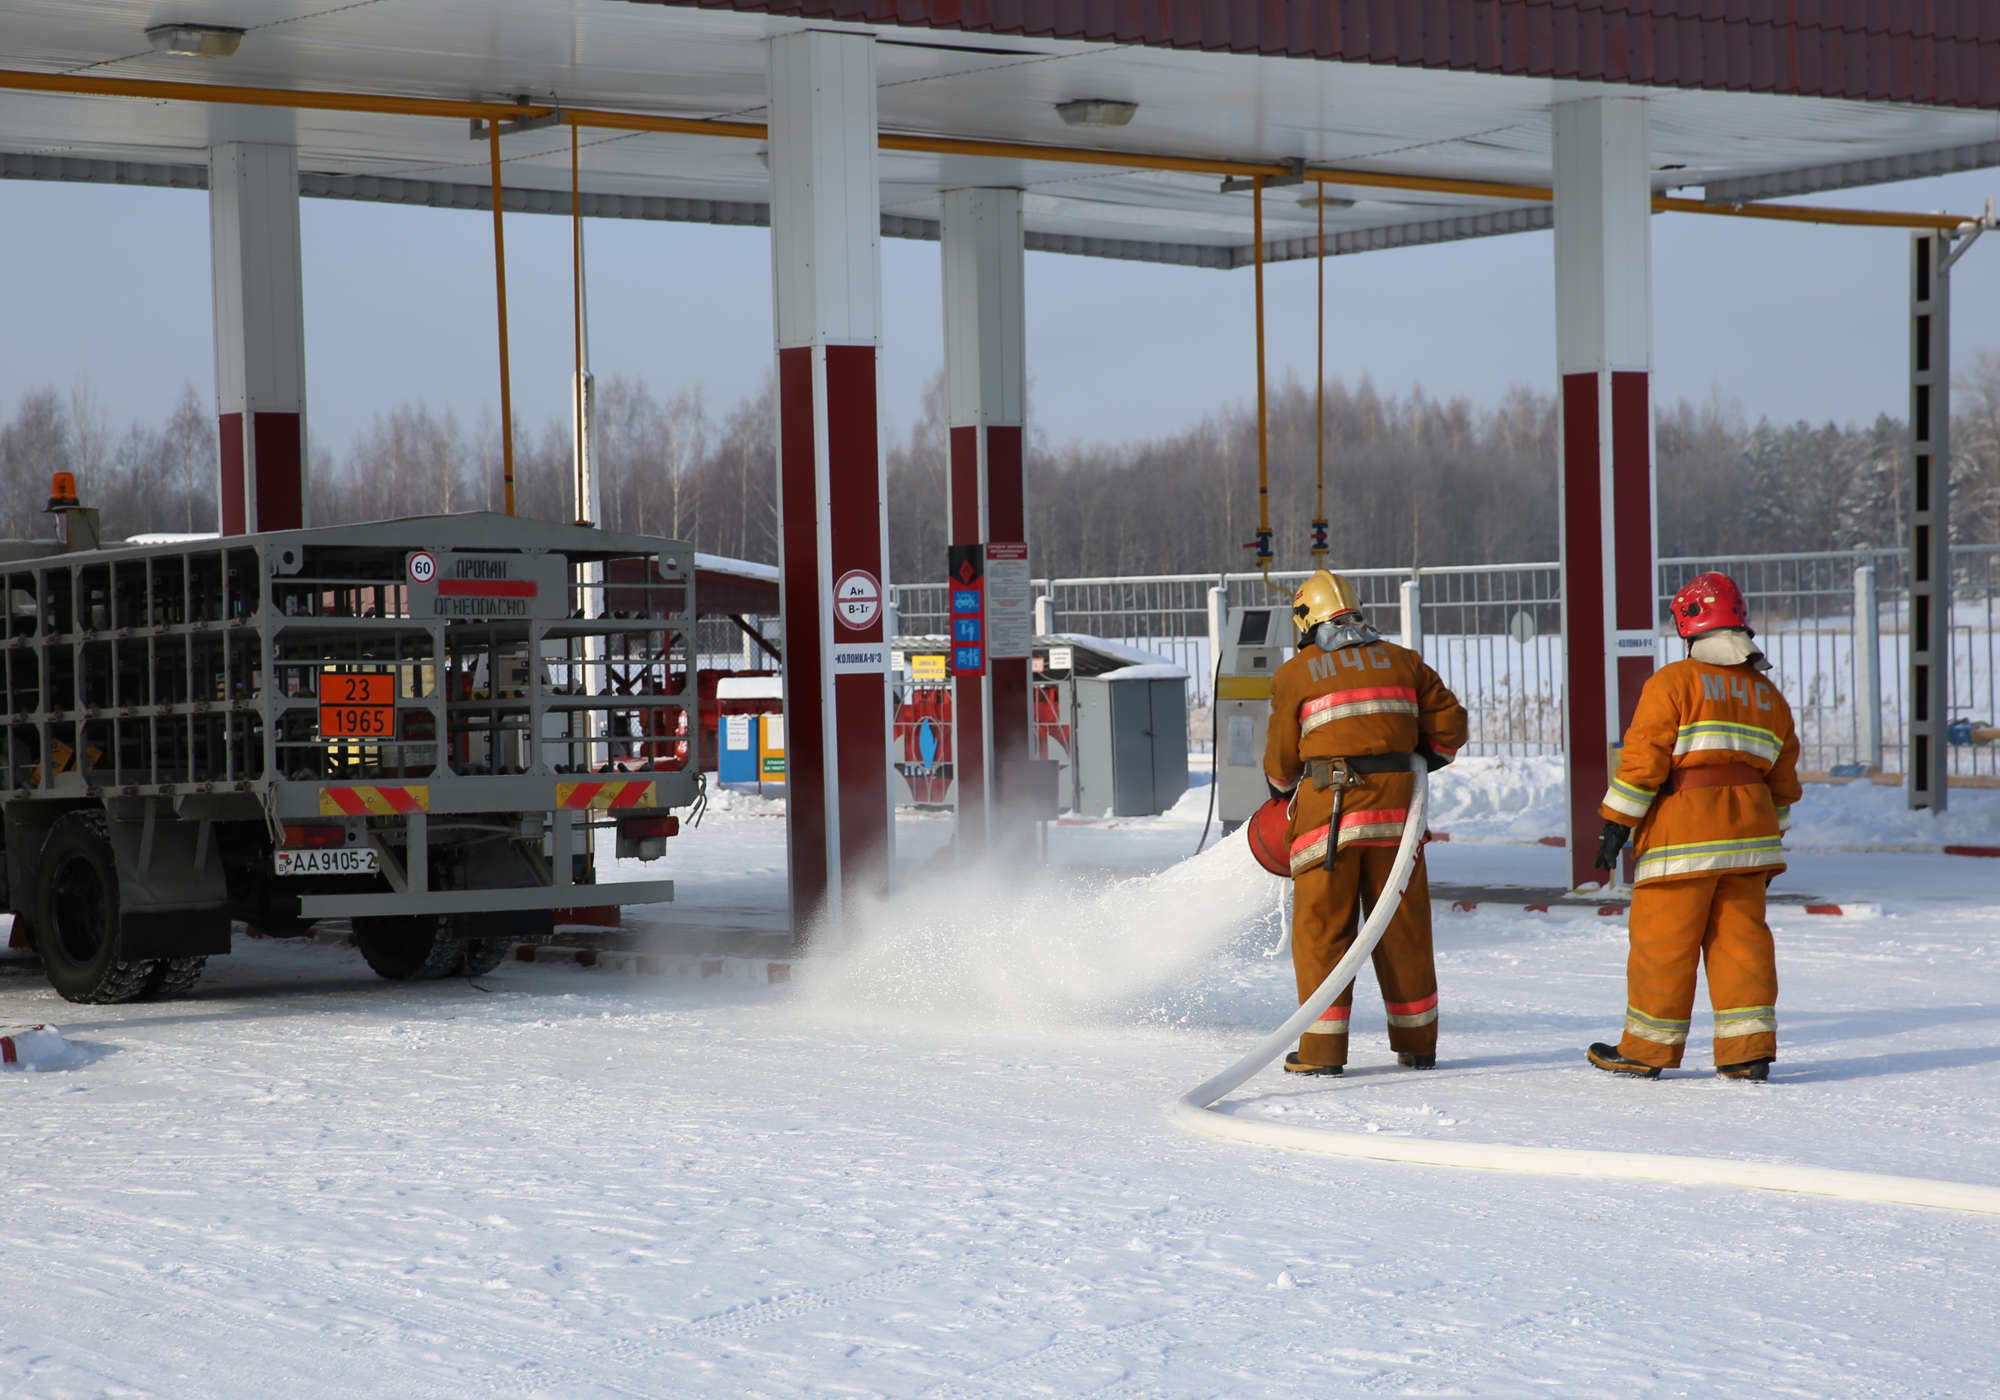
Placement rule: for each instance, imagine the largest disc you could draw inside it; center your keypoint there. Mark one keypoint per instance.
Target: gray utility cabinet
(1131, 741)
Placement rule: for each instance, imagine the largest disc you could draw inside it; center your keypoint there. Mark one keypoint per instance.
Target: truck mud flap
(179, 933)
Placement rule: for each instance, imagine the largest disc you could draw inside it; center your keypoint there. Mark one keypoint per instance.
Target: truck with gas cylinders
(417, 726)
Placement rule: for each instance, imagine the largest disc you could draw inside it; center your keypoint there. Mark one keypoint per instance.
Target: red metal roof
(1936, 52)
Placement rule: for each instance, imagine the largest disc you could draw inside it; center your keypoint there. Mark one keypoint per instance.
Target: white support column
(260, 356)
(986, 371)
(1867, 671)
(826, 265)
(1604, 353)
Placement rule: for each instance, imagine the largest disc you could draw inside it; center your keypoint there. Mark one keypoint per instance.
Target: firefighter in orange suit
(1707, 776)
(1348, 712)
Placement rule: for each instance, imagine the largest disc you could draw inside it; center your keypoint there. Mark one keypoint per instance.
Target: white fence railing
(1833, 624)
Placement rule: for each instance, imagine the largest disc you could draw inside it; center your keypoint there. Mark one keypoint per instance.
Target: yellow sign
(927, 668)
(1244, 688)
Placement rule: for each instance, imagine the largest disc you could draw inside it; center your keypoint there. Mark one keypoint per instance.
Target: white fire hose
(1195, 1109)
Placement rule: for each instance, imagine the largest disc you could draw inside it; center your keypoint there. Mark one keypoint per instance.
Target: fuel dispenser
(1253, 647)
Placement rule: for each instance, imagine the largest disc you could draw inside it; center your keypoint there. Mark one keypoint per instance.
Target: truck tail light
(312, 838)
(645, 838)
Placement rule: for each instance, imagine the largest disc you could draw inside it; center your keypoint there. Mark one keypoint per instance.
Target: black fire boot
(1757, 1071)
(1292, 1066)
(1607, 1057)
(1417, 1059)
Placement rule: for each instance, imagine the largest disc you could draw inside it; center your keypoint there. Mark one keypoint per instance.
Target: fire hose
(1197, 1110)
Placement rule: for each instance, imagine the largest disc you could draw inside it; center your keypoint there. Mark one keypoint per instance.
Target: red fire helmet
(1709, 601)
(1269, 833)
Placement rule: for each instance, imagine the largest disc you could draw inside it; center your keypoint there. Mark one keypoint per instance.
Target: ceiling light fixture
(195, 40)
(1096, 111)
(1324, 201)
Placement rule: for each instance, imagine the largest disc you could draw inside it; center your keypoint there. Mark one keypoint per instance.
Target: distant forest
(1410, 479)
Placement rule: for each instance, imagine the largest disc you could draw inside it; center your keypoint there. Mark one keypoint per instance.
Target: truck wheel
(482, 955)
(76, 915)
(410, 947)
(172, 977)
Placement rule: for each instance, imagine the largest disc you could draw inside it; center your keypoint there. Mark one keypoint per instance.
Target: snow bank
(1522, 798)
(743, 804)
(37, 1048)
(989, 947)
(1862, 814)
(1499, 797)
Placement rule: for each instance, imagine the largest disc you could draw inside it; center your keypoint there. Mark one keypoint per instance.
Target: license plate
(350, 860)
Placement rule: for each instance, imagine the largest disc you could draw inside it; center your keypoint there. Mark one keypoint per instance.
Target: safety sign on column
(857, 608)
(968, 610)
(1010, 606)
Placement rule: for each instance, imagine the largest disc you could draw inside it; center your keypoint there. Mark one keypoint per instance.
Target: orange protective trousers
(1325, 906)
(1679, 924)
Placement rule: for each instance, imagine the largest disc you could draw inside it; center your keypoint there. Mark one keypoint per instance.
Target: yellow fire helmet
(1322, 598)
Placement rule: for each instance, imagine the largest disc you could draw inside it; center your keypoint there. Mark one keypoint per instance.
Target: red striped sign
(373, 801)
(610, 796)
(487, 588)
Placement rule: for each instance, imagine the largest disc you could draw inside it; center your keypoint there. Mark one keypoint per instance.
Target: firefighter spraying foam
(1348, 713)
(1707, 775)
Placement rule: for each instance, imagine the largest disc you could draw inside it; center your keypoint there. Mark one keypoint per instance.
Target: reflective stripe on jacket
(1694, 715)
(1376, 698)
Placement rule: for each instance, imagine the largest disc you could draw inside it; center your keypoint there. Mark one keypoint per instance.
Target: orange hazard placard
(357, 705)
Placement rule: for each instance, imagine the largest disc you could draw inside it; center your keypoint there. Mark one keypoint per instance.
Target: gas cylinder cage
(215, 680)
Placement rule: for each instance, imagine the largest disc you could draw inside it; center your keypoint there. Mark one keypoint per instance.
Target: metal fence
(1835, 626)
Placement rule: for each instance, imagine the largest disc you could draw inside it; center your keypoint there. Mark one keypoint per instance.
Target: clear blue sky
(1790, 321)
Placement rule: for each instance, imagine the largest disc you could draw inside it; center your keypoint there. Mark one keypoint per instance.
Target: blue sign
(968, 658)
(965, 600)
(967, 629)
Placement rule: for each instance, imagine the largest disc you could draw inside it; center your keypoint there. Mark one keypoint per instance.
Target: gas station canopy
(1437, 114)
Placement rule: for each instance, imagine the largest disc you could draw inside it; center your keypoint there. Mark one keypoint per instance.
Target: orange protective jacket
(1375, 698)
(1693, 715)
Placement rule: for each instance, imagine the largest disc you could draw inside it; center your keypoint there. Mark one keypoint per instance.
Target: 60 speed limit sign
(423, 567)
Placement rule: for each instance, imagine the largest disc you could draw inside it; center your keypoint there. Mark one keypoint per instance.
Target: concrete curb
(1873, 848)
(761, 972)
(1852, 909)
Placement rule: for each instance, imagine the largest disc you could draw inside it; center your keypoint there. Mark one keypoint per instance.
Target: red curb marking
(7, 1052)
(778, 972)
(1464, 906)
(1440, 836)
(711, 967)
(1551, 841)
(1824, 909)
(1972, 850)
(524, 951)
(586, 957)
(1610, 908)
(1536, 908)
(646, 966)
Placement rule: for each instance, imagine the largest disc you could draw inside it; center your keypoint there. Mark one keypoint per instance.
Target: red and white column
(826, 263)
(1604, 352)
(986, 372)
(260, 343)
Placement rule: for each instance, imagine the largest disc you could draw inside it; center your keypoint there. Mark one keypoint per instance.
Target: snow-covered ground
(937, 1164)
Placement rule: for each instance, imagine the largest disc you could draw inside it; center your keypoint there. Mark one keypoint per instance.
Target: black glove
(1433, 760)
(1609, 843)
